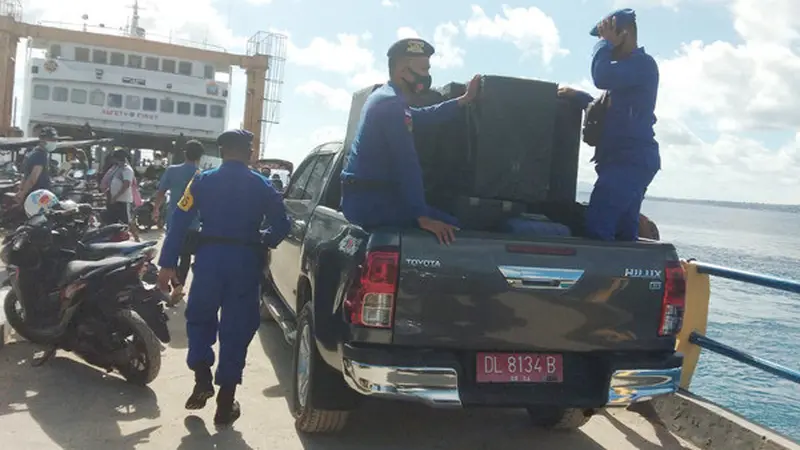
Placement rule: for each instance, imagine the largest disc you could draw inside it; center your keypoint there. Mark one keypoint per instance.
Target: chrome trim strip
(434, 386)
(541, 278)
(633, 386)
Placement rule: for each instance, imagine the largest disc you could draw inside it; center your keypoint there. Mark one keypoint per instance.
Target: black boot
(228, 409)
(203, 388)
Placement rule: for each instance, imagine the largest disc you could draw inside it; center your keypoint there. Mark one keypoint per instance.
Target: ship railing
(122, 31)
(692, 337)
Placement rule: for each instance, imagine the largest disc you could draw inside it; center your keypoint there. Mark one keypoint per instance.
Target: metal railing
(712, 345)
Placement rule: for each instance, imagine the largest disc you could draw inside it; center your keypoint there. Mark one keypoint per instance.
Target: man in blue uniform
(232, 202)
(627, 155)
(382, 179)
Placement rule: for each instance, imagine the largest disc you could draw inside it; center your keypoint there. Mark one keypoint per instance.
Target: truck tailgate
(495, 292)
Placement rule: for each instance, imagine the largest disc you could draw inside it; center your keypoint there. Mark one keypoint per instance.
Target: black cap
(410, 47)
(48, 133)
(236, 140)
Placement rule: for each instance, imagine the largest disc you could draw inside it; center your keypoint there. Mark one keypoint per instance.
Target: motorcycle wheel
(144, 349)
(144, 217)
(15, 314)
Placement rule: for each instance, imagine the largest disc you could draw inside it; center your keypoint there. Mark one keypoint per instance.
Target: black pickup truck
(560, 326)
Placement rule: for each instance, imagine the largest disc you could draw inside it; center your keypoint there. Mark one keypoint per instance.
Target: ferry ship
(139, 91)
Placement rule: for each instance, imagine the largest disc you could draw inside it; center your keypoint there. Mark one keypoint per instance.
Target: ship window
(99, 56)
(208, 72)
(55, 51)
(41, 92)
(133, 102)
(185, 68)
(184, 108)
(60, 94)
(151, 63)
(200, 109)
(117, 59)
(114, 100)
(217, 111)
(82, 54)
(168, 65)
(135, 61)
(167, 105)
(98, 98)
(78, 96)
(149, 104)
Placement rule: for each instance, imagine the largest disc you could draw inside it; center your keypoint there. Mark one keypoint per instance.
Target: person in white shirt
(120, 191)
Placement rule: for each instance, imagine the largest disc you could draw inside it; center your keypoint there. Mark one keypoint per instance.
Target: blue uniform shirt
(632, 82)
(383, 151)
(174, 180)
(233, 202)
(38, 157)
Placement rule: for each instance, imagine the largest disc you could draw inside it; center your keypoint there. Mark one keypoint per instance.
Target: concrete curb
(710, 426)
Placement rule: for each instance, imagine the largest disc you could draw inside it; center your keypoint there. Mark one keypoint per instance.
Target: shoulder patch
(187, 201)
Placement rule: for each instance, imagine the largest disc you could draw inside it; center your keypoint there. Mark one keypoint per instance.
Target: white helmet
(40, 201)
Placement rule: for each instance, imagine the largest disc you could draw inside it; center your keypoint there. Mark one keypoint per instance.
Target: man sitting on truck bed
(382, 179)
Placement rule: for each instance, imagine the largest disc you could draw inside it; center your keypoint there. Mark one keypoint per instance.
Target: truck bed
(495, 292)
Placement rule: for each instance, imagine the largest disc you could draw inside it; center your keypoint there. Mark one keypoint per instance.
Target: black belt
(360, 184)
(203, 239)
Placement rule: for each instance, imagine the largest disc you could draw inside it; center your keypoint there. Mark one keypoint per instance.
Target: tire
(149, 345)
(16, 321)
(320, 378)
(560, 418)
(144, 217)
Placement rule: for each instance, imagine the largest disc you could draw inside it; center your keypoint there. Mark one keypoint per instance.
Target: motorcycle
(100, 310)
(144, 213)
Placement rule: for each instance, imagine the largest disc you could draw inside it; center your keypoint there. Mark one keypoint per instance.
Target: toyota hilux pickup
(559, 326)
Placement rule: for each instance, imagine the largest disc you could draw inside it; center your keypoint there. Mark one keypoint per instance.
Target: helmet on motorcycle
(39, 201)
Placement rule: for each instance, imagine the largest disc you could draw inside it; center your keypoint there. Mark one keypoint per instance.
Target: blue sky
(727, 127)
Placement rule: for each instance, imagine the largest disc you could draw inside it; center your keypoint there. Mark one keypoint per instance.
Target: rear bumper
(439, 379)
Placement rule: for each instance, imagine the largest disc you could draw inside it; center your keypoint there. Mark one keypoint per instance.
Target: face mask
(50, 146)
(419, 82)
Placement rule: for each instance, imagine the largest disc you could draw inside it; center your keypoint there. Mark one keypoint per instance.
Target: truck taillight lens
(674, 302)
(371, 302)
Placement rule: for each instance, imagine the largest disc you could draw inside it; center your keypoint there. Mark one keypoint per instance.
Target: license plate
(519, 368)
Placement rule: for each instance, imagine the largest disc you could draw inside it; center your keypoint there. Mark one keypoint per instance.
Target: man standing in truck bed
(627, 155)
(382, 179)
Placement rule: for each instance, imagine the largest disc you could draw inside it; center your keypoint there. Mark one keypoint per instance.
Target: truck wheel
(312, 377)
(560, 418)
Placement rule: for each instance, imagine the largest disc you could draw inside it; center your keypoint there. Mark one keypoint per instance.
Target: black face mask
(419, 83)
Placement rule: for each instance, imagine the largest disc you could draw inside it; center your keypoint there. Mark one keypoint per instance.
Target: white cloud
(334, 98)
(297, 147)
(529, 29)
(259, 2)
(389, 4)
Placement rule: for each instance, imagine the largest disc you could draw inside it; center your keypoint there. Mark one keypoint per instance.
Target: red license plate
(519, 368)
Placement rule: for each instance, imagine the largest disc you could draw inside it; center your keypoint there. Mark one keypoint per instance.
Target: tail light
(69, 292)
(122, 236)
(674, 302)
(371, 302)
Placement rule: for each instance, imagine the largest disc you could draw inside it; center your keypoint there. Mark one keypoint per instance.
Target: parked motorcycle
(99, 310)
(144, 213)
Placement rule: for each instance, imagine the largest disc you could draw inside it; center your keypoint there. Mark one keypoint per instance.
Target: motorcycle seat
(117, 248)
(76, 269)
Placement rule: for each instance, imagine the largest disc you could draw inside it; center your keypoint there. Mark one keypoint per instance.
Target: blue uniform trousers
(224, 299)
(616, 200)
